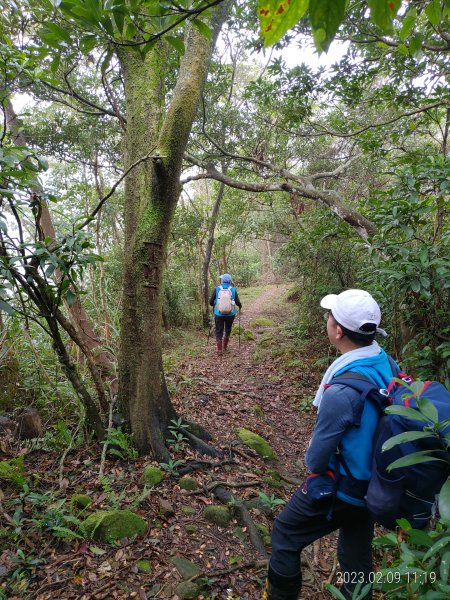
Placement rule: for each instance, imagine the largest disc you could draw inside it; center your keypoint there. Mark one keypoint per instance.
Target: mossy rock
(110, 525)
(190, 528)
(264, 533)
(188, 483)
(260, 322)
(188, 589)
(151, 475)
(246, 334)
(79, 503)
(266, 340)
(186, 568)
(144, 566)
(256, 443)
(188, 510)
(220, 515)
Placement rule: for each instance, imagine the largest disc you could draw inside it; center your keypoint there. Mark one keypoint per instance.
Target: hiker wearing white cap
(224, 299)
(339, 456)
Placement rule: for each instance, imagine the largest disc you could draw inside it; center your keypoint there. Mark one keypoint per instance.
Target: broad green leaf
(444, 502)
(419, 537)
(408, 23)
(70, 297)
(277, 16)
(96, 550)
(428, 409)
(406, 436)
(414, 459)
(437, 547)
(105, 62)
(203, 28)
(433, 12)
(119, 19)
(336, 593)
(59, 32)
(108, 25)
(88, 43)
(325, 17)
(176, 42)
(409, 413)
(444, 567)
(7, 308)
(390, 539)
(383, 12)
(415, 45)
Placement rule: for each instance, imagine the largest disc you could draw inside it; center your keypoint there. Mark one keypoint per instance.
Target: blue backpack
(407, 492)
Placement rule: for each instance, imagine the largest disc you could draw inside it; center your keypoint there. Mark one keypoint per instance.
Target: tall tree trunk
(209, 249)
(151, 195)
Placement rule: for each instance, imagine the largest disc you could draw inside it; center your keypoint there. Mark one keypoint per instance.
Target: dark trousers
(302, 522)
(223, 323)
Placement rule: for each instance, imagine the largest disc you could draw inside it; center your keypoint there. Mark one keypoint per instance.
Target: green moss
(79, 503)
(257, 411)
(273, 483)
(261, 322)
(246, 334)
(151, 475)
(188, 483)
(220, 515)
(150, 223)
(273, 473)
(144, 566)
(186, 568)
(188, 589)
(188, 510)
(265, 340)
(256, 442)
(264, 532)
(110, 525)
(191, 528)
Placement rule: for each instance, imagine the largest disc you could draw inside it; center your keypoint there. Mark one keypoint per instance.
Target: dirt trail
(248, 387)
(261, 386)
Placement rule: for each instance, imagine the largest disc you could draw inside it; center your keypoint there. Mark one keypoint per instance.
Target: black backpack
(411, 490)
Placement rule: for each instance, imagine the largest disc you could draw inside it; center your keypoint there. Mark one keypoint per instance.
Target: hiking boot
(225, 342)
(219, 347)
(273, 593)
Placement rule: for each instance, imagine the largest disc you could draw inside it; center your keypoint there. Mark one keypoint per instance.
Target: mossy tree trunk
(151, 194)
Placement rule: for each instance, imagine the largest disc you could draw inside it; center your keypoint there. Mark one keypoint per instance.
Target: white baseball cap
(353, 309)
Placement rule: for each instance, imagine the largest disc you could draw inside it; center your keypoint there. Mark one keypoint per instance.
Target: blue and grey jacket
(335, 431)
(234, 294)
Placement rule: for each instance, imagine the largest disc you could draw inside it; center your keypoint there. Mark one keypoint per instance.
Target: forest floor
(265, 385)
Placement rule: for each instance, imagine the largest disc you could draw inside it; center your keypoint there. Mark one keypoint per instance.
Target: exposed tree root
(243, 517)
(198, 431)
(197, 465)
(255, 564)
(201, 446)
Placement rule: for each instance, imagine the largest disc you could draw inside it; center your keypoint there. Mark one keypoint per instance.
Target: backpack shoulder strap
(367, 390)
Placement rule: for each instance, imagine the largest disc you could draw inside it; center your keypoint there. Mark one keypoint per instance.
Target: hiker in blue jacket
(224, 298)
(353, 319)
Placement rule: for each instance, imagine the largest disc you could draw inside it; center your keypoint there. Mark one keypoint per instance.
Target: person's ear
(339, 332)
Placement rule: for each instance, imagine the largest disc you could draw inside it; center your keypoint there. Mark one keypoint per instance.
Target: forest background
(153, 158)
